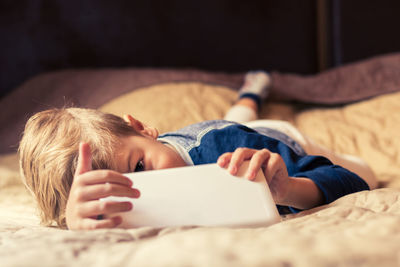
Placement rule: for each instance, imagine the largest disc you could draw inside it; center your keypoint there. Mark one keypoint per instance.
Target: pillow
(171, 106)
(368, 129)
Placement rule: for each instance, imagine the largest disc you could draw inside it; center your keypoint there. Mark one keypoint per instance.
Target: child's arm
(296, 192)
(88, 186)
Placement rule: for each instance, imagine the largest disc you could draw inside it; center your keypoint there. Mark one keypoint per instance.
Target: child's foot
(256, 86)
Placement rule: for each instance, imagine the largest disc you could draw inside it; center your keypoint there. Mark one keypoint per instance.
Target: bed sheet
(361, 229)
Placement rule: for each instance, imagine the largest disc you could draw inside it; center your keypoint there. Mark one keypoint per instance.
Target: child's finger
(271, 167)
(94, 208)
(238, 157)
(98, 191)
(104, 176)
(258, 159)
(84, 159)
(224, 159)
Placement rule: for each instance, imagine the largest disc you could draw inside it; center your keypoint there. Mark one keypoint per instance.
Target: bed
(353, 110)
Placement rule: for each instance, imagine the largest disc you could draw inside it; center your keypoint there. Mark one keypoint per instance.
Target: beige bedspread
(361, 229)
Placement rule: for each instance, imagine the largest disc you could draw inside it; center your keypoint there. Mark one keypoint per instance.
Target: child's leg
(251, 94)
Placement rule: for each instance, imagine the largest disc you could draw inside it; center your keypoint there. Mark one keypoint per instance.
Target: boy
(68, 176)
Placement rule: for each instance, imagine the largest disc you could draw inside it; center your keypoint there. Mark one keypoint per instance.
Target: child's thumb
(84, 159)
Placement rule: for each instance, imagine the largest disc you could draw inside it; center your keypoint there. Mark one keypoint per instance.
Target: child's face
(143, 152)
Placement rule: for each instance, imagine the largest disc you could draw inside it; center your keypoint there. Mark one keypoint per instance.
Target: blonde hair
(49, 153)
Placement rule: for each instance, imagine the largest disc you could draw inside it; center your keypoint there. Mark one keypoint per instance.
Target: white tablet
(203, 195)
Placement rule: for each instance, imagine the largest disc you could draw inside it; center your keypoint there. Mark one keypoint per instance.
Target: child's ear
(140, 127)
(134, 123)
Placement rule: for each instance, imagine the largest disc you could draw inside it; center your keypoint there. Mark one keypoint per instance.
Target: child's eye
(139, 166)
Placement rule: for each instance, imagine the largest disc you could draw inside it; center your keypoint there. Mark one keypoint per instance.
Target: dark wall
(362, 29)
(226, 35)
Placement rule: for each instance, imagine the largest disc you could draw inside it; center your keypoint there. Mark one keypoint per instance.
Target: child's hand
(272, 164)
(88, 186)
(298, 192)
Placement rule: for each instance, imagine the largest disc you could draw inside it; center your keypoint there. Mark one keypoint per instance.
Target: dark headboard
(226, 35)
